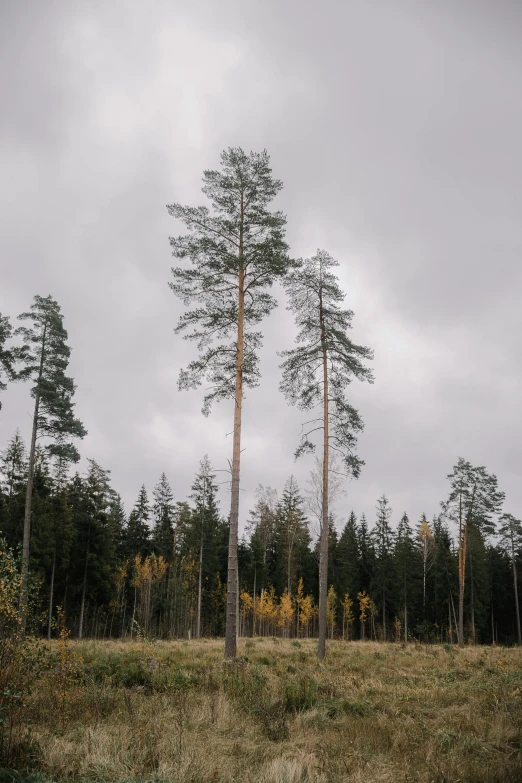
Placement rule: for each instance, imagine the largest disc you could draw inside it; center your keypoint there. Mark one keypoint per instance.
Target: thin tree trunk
(84, 590)
(323, 556)
(515, 585)
(472, 598)
(51, 595)
(254, 607)
(24, 584)
(462, 576)
(405, 622)
(232, 576)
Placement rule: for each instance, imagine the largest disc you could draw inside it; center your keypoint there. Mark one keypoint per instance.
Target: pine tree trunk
(51, 595)
(198, 626)
(515, 585)
(232, 576)
(323, 556)
(462, 576)
(24, 584)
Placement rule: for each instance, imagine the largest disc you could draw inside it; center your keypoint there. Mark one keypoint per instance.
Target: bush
(300, 695)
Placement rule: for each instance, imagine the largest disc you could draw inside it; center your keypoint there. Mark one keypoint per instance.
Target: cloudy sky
(396, 128)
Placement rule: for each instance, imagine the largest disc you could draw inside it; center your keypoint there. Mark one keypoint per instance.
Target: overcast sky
(396, 128)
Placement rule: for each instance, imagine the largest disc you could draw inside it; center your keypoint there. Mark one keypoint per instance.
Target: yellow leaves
(247, 602)
(266, 606)
(331, 606)
(286, 609)
(365, 603)
(149, 571)
(347, 605)
(425, 532)
(307, 611)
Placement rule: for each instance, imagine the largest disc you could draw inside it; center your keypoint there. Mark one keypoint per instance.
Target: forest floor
(372, 712)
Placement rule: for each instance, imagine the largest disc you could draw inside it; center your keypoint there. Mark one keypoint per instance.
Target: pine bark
(232, 577)
(515, 585)
(323, 555)
(24, 585)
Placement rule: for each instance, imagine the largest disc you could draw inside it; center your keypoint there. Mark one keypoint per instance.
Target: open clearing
(120, 711)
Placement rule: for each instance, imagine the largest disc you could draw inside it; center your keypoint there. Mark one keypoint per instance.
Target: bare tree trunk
(405, 622)
(51, 595)
(323, 556)
(462, 575)
(515, 585)
(472, 599)
(232, 576)
(24, 584)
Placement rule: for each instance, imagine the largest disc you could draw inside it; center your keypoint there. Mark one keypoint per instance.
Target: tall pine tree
(316, 375)
(236, 252)
(46, 357)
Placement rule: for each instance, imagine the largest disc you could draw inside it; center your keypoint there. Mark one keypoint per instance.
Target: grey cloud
(395, 128)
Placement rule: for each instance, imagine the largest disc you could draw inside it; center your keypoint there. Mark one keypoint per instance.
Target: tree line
(110, 570)
(161, 569)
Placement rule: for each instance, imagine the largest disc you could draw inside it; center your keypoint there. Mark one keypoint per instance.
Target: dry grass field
(172, 711)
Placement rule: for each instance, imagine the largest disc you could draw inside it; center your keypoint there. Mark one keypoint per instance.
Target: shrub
(300, 695)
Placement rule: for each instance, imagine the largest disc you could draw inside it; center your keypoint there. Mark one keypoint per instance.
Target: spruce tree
(404, 556)
(136, 539)
(13, 471)
(315, 377)
(163, 514)
(291, 531)
(383, 577)
(205, 524)
(510, 532)
(237, 251)
(348, 555)
(474, 500)
(96, 542)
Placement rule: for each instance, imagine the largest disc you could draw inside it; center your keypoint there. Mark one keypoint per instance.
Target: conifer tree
(236, 252)
(163, 513)
(426, 546)
(46, 357)
(316, 375)
(366, 554)
(205, 524)
(510, 532)
(96, 539)
(383, 538)
(13, 471)
(137, 532)
(404, 555)
(291, 533)
(348, 554)
(474, 499)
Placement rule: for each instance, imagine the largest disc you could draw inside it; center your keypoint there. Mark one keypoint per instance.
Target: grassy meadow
(173, 711)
